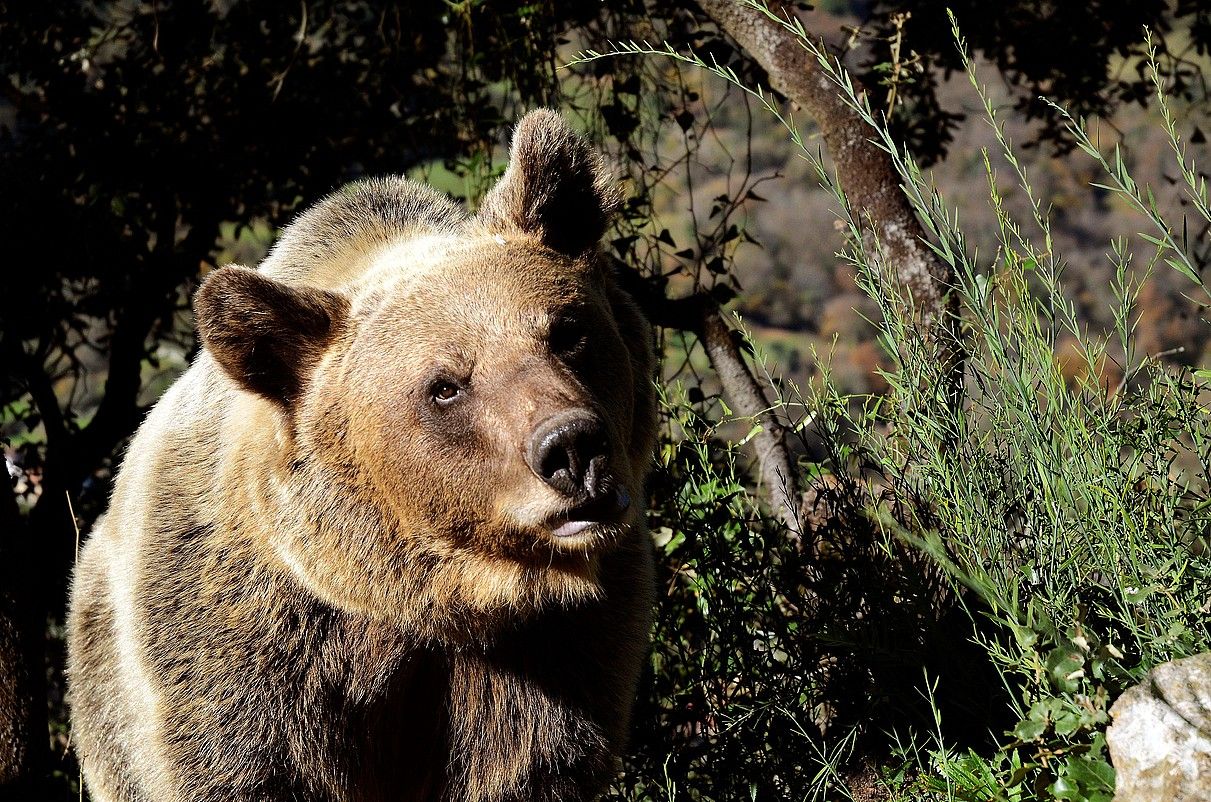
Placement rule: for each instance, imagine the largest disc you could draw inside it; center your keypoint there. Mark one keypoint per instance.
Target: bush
(984, 578)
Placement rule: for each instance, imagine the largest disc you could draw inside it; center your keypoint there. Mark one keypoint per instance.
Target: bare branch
(701, 315)
(776, 471)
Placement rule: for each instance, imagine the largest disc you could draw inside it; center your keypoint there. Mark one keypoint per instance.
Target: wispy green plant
(1065, 510)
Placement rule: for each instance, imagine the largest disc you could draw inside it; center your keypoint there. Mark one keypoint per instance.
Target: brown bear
(384, 539)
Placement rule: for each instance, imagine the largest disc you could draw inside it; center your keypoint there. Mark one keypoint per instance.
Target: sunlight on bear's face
(485, 390)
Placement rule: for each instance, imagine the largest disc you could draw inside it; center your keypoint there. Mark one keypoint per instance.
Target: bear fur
(331, 569)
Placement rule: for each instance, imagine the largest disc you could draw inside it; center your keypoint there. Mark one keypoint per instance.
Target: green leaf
(1063, 789)
(1030, 730)
(1090, 773)
(1067, 722)
(1184, 269)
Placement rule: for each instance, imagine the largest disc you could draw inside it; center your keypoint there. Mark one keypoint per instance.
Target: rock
(1160, 741)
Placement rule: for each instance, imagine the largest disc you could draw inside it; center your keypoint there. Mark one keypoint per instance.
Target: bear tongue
(593, 513)
(571, 528)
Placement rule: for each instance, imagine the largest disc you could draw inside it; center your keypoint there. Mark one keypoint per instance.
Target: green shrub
(1040, 546)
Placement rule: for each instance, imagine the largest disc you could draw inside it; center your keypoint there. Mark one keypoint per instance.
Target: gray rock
(1160, 741)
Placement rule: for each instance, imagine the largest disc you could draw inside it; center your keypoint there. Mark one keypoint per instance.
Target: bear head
(462, 406)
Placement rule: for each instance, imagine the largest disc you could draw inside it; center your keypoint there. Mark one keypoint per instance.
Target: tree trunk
(774, 466)
(865, 173)
(701, 315)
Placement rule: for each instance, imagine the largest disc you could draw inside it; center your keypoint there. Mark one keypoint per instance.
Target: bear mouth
(608, 508)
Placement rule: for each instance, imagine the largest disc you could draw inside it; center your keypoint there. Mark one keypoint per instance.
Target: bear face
(503, 418)
(464, 409)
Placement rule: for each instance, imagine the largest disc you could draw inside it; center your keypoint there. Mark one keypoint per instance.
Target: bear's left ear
(556, 187)
(266, 335)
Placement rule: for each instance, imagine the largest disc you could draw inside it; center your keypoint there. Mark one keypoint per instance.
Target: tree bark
(700, 314)
(774, 466)
(866, 174)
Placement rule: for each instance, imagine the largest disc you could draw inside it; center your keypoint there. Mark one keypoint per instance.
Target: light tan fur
(314, 582)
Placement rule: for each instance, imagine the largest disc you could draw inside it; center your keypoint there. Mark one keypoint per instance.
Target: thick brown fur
(315, 581)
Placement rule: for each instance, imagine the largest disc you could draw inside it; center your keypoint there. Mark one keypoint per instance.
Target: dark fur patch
(266, 335)
(556, 187)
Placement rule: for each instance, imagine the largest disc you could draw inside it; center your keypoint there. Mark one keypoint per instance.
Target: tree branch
(37, 382)
(700, 314)
(865, 173)
(774, 466)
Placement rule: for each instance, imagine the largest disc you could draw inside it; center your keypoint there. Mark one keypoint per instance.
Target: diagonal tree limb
(700, 314)
(775, 468)
(891, 230)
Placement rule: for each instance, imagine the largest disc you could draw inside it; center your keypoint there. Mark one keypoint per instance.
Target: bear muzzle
(570, 452)
(607, 508)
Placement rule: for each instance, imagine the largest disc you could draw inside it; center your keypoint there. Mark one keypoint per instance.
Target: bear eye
(567, 337)
(444, 392)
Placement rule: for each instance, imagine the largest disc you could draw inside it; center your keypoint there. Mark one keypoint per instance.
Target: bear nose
(568, 451)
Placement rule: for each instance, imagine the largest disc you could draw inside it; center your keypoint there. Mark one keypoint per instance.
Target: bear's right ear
(266, 335)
